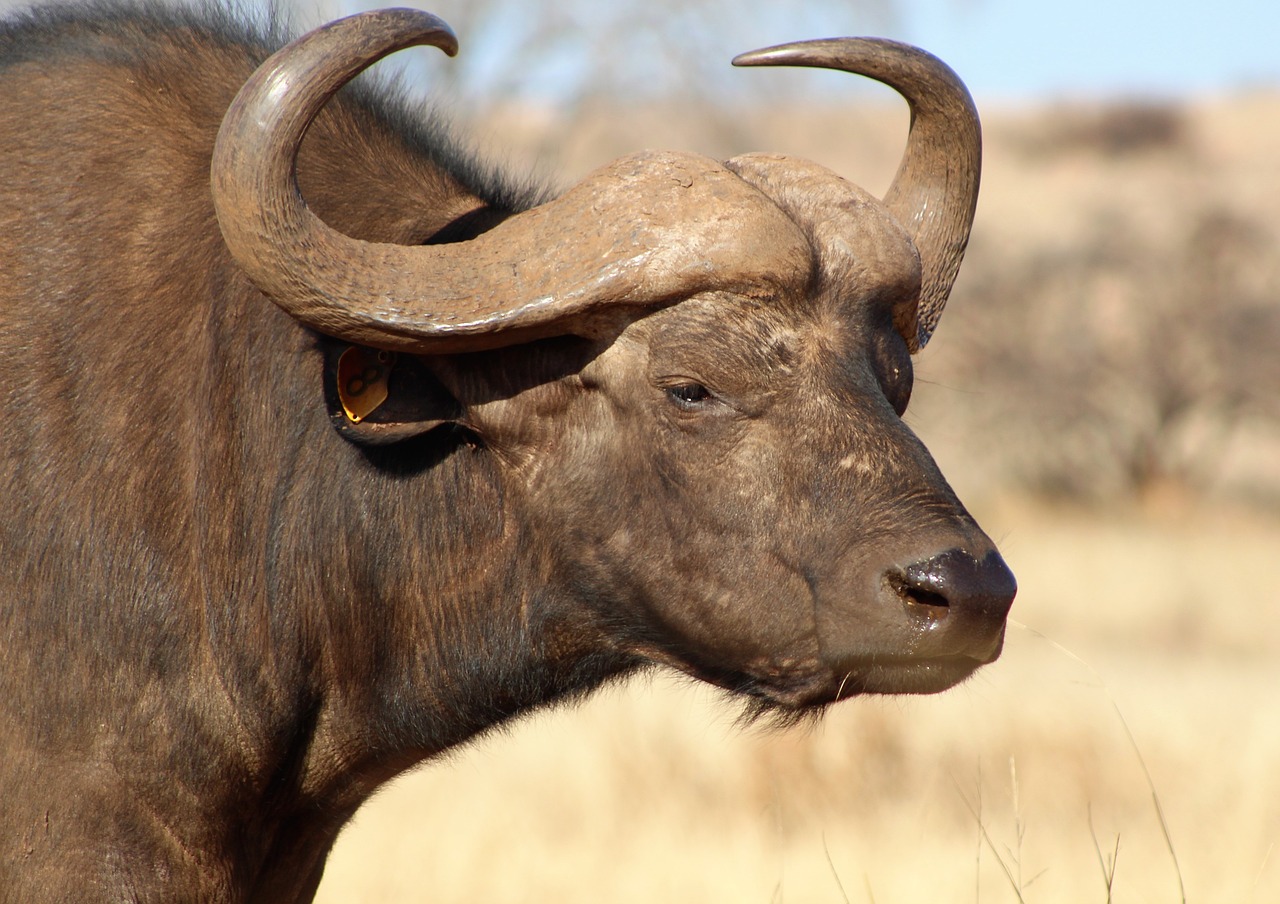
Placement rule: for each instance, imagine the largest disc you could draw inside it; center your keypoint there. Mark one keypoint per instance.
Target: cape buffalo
(321, 466)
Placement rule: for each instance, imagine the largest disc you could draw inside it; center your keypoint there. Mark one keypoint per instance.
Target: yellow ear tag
(362, 380)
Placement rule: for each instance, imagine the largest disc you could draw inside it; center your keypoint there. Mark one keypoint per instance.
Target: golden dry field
(1126, 747)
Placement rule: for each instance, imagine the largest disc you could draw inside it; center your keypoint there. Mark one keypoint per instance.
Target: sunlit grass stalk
(991, 846)
(1107, 865)
(1133, 743)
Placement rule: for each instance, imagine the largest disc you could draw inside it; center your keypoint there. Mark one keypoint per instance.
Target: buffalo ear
(376, 397)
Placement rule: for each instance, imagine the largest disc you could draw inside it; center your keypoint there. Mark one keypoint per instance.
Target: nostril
(926, 599)
(921, 601)
(955, 581)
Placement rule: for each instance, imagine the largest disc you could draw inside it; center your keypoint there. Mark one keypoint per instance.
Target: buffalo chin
(929, 677)
(798, 699)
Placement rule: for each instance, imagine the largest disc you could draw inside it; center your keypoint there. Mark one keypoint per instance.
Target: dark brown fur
(222, 625)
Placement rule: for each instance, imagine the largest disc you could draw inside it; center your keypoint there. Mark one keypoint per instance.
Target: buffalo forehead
(726, 337)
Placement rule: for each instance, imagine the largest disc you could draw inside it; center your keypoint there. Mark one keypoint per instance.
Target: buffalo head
(689, 374)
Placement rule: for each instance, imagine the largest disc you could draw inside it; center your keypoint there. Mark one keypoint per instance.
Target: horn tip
(778, 55)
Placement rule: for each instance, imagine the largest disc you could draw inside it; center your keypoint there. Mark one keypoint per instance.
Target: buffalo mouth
(924, 628)
(797, 688)
(883, 675)
(906, 676)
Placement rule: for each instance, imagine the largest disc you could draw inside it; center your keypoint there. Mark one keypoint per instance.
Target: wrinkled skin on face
(734, 486)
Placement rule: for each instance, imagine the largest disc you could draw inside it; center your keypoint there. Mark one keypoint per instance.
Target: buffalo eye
(689, 395)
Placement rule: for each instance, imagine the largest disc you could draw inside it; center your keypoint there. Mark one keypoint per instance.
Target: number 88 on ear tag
(363, 374)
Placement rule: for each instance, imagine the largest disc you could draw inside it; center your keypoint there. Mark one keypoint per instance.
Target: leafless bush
(1125, 363)
(1114, 130)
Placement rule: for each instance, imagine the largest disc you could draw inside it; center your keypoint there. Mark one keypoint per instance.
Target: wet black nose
(956, 584)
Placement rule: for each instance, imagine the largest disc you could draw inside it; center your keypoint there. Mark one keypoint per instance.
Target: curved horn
(935, 191)
(644, 230)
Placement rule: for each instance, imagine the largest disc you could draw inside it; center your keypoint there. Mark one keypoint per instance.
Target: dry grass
(1146, 659)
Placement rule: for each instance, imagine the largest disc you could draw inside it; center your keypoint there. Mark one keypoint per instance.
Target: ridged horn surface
(935, 191)
(644, 230)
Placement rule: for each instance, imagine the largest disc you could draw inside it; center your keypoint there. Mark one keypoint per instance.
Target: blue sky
(1029, 49)
(1017, 50)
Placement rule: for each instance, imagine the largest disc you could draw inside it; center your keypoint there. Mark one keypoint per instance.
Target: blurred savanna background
(1104, 392)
